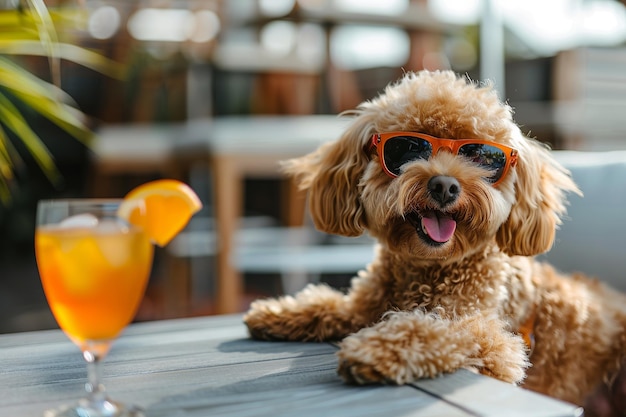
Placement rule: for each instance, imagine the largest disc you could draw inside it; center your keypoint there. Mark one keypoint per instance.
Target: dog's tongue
(438, 226)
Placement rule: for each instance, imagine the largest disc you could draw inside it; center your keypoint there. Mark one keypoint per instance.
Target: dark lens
(402, 149)
(487, 156)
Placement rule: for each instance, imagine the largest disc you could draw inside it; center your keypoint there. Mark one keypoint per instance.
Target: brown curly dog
(459, 201)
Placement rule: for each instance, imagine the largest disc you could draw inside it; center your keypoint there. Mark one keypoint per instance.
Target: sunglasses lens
(402, 149)
(487, 156)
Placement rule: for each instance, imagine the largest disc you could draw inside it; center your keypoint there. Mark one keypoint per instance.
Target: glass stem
(95, 388)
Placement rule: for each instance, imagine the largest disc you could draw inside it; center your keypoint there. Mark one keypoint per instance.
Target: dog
(459, 201)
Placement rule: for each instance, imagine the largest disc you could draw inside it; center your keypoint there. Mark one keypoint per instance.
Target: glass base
(104, 408)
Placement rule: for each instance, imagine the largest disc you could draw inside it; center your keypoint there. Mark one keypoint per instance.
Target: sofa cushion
(592, 238)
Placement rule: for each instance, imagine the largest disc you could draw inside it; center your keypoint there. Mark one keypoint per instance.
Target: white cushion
(592, 238)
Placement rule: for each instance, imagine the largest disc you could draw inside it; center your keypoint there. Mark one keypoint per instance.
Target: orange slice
(162, 208)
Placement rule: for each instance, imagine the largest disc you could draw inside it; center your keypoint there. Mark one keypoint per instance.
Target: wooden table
(236, 148)
(131, 149)
(209, 367)
(243, 147)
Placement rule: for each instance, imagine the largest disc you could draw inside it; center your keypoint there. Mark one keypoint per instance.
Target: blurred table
(131, 149)
(209, 367)
(244, 147)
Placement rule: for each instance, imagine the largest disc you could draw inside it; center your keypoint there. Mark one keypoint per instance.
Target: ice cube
(80, 220)
(112, 226)
(113, 242)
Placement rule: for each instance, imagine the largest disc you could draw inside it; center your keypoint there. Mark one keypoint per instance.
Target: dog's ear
(539, 201)
(331, 175)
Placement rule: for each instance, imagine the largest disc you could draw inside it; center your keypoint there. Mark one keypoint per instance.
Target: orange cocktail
(94, 258)
(93, 277)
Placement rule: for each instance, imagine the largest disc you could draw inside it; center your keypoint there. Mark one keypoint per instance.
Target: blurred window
(386, 7)
(546, 27)
(358, 47)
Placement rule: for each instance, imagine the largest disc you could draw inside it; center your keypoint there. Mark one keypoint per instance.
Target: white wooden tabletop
(209, 367)
(262, 135)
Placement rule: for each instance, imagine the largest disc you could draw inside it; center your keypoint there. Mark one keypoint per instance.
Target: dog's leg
(317, 313)
(411, 345)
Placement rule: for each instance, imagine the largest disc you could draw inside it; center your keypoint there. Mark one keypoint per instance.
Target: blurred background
(196, 71)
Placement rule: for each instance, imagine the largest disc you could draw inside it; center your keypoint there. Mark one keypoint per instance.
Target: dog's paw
(404, 348)
(265, 320)
(502, 354)
(317, 313)
(354, 372)
(368, 357)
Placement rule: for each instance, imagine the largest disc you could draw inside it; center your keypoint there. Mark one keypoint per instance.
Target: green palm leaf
(82, 56)
(7, 155)
(29, 30)
(44, 98)
(15, 122)
(47, 36)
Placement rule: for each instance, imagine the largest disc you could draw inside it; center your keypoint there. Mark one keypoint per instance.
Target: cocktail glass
(94, 268)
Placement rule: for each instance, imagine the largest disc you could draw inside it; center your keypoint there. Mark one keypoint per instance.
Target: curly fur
(419, 309)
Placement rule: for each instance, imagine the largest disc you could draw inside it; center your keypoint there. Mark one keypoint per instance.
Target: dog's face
(443, 204)
(440, 208)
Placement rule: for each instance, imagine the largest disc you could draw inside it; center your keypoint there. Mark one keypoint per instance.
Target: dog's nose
(444, 189)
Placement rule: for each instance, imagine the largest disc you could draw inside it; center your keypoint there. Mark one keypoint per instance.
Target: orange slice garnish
(162, 208)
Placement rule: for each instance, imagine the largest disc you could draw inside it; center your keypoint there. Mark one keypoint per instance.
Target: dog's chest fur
(486, 281)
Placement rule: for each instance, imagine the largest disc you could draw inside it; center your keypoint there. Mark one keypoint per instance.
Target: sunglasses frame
(452, 145)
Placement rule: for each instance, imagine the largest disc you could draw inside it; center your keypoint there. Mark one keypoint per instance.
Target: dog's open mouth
(433, 226)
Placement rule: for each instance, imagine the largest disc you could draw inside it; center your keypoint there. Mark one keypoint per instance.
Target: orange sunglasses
(398, 148)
